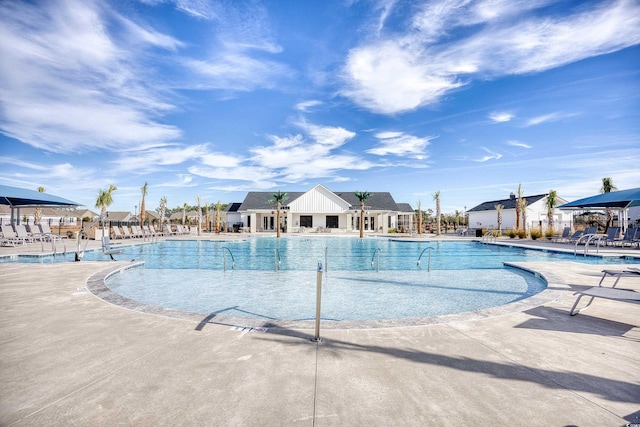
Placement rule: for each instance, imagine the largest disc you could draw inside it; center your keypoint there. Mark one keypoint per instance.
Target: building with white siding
(485, 215)
(319, 210)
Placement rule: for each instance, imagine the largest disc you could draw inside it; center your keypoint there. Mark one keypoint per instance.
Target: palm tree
(184, 212)
(552, 201)
(499, 208)
(218, 209)
(523, 210)
(199, 214)
(608, 187)
(277, 200)
(163, 212)
(362, 196)
(104, 200)
(143, 208)
(419, 217)
(518, 206)
(436, 197)
(37, 215)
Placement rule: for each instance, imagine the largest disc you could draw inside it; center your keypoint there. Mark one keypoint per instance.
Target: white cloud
(491, 155)
(406, 71)
(545, 118)
(306, 105)
(515, 143)
(500, 117)
(400, 144)
(67, 83)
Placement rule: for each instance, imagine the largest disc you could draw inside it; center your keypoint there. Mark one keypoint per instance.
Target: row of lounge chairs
(18, 234)
(136, 231)
(590, 235)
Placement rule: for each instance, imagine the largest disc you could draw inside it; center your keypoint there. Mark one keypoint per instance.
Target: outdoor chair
(22, 233)
(563, 236)
(606, 293)
(630, 237)
(10, 235)
(116, 233)
(108, 250)
(611, 236)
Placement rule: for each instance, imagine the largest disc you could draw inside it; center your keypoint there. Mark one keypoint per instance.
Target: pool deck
(70, 358)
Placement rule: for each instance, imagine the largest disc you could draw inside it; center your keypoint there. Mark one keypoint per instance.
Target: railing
(80, 252)
(429, 248)
(588, 238)
(377, 263)
(224, 256)
(276, 259)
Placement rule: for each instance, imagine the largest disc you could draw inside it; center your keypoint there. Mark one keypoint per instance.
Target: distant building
(50, 215)
(485, 215)
(319, 210)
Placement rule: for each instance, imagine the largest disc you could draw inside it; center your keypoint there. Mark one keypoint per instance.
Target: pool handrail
(429, 248)
(376, 251)
(224, 256)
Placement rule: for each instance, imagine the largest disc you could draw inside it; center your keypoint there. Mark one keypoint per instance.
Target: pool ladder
(376, 254)
(276, 259)
(428, 248)
(224, 255)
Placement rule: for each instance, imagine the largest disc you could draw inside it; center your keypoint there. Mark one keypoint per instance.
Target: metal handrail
(80, 253)
(224, 255)
(376, 252)
(276, 259)
(589, 238)
(428, 248)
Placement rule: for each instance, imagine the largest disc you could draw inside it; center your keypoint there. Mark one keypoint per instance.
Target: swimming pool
(364, 279)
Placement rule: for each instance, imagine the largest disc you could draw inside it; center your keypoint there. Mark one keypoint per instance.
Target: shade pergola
(613, 200)
(20, 197)
(619, 200)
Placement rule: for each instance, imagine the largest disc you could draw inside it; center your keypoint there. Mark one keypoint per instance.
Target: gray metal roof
(382, 201)
(405, 208)
(509, 203)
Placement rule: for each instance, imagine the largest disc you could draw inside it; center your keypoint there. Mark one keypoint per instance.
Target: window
(306, 221)
(332, 221)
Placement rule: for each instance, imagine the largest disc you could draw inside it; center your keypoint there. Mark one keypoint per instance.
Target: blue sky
(216, 98)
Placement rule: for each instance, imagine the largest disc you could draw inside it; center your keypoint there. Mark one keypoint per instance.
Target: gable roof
(378, 201)
(405, 208)
(509, 203)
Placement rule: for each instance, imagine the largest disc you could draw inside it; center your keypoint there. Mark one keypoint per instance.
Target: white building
(319, 209)
(485, 215)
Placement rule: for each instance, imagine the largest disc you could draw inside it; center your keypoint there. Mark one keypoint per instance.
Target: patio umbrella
(615, 199)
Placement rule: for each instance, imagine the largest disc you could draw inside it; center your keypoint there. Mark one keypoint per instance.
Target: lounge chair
(22, 233)
(619, 274)
(606, 293)
(630, 237)
(127, 233)
(574, 237)
(116, 233)
(611, 236)
(10, 235)
(563, 236)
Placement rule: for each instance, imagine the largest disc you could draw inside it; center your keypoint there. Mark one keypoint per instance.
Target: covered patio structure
(18, 198)
(615, 200)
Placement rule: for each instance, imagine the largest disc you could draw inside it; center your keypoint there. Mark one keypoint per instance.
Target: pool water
(363, 279)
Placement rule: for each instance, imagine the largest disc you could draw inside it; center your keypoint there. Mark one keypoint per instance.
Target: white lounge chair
(116, 232)
(606, 293)
(619, 274)
(10, 235)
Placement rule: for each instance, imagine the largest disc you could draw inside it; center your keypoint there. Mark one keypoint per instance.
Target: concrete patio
(70, 358)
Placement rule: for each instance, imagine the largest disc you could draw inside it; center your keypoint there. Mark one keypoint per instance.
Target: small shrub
(535, 233)
(522, 234)
(549, 234)
(511, 233)
(393, 230)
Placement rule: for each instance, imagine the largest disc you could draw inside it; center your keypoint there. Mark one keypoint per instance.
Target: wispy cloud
(307, 105)
(69, 84)
(402, 72)
(515, 143)
(491, 155)
(401, 144)
(551, 117)
(500, 117)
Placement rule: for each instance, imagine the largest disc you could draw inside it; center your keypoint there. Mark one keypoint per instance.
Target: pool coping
(97, 285)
